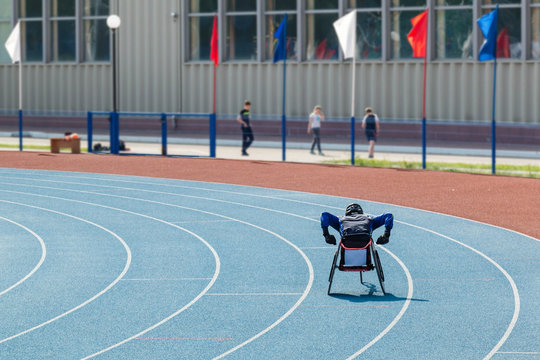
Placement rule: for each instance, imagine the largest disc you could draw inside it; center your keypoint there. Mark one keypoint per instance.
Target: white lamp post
(113, 22)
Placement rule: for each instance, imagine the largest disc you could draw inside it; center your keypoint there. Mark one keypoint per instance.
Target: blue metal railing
(114, 128)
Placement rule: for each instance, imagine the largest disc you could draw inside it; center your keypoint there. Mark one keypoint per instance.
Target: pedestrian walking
(247, 132)
(370, 123)
(314, 127)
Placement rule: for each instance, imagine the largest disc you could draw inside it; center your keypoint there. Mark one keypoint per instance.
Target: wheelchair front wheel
(378, 268)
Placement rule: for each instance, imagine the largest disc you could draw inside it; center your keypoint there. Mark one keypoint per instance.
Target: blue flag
(280, 52)
(488, 26)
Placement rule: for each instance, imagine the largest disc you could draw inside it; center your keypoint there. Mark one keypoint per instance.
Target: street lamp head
(113, 22)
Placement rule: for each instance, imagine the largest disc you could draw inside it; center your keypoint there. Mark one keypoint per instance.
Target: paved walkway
(299, 152)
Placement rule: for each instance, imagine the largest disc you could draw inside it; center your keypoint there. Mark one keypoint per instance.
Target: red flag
(418, 35)
(503, 44)
(214, 43)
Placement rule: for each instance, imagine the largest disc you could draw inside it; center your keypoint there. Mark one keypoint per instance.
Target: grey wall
(153, 77)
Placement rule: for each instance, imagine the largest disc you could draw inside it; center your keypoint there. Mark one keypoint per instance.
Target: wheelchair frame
(373, 262)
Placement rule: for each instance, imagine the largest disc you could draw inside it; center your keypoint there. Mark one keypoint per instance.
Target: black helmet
(353, 208)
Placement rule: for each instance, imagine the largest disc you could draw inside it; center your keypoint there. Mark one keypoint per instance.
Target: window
(241, 30)
(31, 14)
(56, 31)
(509, 28)
(5, 28)
(273, 17)
(535, 30)
(368, 28)
(62, 30)
(401, 13)
(453, 29)
(96, 40)
(321, 39)
(200, 21)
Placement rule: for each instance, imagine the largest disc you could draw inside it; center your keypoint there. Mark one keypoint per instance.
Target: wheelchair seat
(362, 257)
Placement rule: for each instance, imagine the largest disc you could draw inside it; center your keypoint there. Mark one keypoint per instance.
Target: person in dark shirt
(355, 228)
(247, 132)
(370, 123)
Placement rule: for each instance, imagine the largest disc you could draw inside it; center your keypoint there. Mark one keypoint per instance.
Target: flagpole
(424, 115)
(283, 119)
(493, 131)
(214, 98)
(353, 97)
(20, 102)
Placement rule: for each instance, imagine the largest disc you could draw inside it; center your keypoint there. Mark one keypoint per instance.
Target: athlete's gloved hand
(330, 239)
(384, 239)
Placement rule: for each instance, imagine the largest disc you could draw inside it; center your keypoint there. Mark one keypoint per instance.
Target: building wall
(153, 77)
(455, 90)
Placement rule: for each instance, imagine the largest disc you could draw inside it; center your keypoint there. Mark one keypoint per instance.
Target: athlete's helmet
(353, 208)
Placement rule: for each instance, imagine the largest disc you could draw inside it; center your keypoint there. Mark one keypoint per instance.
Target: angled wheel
(378, 268)
(332, 270)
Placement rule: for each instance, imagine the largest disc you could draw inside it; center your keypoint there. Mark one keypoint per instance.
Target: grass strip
(532, 171)
(33, 147)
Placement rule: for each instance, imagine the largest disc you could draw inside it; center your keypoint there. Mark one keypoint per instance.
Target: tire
(378, 268)
(332, 270)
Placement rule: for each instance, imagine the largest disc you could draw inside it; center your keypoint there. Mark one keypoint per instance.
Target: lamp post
(113, 22)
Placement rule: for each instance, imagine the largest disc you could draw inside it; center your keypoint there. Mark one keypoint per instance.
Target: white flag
(345, 28)
(13, 44)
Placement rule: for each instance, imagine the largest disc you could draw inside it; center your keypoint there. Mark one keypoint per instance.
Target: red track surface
(509, 202)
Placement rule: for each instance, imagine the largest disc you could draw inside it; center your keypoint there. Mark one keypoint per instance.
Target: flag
(280, 52)
(503, 44)
(214, 52)
(13, 44)
(345, 28)
(417, 37)
(488, 26)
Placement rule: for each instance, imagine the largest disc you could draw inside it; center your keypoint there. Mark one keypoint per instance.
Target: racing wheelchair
(363, 257)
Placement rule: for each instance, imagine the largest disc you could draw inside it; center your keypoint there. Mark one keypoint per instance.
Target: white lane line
(283, 317)
(126, 267)
(403, 266)
(407, 273)
(194, 300)
(515, 292)
(519, 352)
(253, 294)
(278, 197)
(508, 277)
(37, 266)
(516, 300)
(168, 279)
(399, 315)
(319, 248)
(455, 279)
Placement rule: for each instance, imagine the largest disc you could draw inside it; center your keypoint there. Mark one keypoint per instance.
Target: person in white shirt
(314, 126)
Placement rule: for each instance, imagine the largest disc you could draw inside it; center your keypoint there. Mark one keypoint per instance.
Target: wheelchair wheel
(378, 268)
(332, 270)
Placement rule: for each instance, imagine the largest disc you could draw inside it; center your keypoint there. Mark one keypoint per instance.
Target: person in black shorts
(370, 123)
(247, 132)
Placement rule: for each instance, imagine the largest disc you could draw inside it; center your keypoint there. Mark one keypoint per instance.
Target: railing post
(213, 135)
(352, 139)
(20, 130)
(164, 134)
(90, 127)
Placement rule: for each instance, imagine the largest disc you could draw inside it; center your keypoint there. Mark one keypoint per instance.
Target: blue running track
(118, 267)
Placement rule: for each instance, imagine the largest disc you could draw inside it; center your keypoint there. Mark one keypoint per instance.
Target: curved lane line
(500, 268)
(210, 284)
(378, 337)
(283, 317)
(509, 278)
(126, 267)
(517, 301)
(38, 265)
